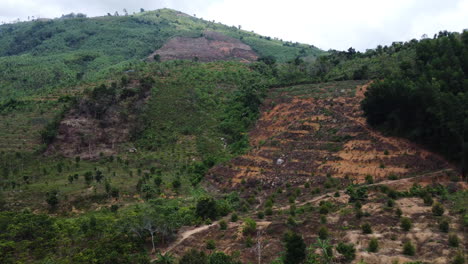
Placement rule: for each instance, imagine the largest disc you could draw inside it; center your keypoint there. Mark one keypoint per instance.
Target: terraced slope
(309, 132)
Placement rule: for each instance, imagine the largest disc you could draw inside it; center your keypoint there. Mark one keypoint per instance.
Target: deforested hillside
(160, 137)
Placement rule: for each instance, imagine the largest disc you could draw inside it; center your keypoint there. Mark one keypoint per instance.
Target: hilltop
(38, 56)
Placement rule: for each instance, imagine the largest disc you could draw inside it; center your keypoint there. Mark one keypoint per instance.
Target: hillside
(162, 138)
(38, 56)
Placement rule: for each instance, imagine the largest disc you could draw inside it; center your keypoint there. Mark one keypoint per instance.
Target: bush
(323, 233)
(438, 209)
(369, 179)
(234, 217)
(373, 245)
(459, 259)
(453, 240)
(210, 244)
(347, 250)
(390, 202)
(405, 224)
(249, 242)
(250, 226)
(268, 211)
(428, 199)
(444, 226)
(295, 248)
(398, 212)
(366, 228)
(194, 256)
(409, 249)
(220, 258)
(261, 215)
(222, 225)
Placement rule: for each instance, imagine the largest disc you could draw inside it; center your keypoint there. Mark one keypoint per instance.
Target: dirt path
(187, 234)
(404, 181)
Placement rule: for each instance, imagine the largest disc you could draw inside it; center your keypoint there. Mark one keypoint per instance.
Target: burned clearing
(309, 132)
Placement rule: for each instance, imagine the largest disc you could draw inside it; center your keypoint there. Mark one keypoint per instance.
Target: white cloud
(336, 24)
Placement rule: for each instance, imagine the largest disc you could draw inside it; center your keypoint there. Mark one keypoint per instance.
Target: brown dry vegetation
(304, 138)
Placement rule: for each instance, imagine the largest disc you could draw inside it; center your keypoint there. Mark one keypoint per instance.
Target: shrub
(52, 198)
(210, 244)
(444, 226)
(398, 212)
(366, 228)
(347, 250)
(405, 224)
(373, 245)
(427, 198)
(409, 249)
(369, 179)
(459, 259)
(194, 256)
(260, 215)
(438, 209)
(249, 242)
(291, 222)
(268, 211)
(323, 233)
(295, 248)
(250, 226)
(453, 240)
(359, 213)
(220, 258)
(390, 202)
(292, 210)
(234, 217)
(323, 219)
(222, 225)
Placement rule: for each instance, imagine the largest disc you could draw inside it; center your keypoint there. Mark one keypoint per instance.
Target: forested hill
(43, 54)
(426, 99)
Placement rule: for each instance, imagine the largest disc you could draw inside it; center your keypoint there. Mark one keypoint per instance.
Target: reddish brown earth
(304, 138)
(319, 130)
(211, 46)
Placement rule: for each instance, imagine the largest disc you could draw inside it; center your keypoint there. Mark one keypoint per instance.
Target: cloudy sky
(327, 24)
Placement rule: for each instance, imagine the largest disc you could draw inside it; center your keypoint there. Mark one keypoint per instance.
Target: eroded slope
(309, 132)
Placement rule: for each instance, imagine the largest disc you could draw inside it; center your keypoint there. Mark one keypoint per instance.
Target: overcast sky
(327, 24)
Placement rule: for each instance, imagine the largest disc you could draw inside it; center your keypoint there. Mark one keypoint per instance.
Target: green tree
(52, 198)
(347, 250)
(295, 248)
(206, 208)
(405, 224)
(409, 249)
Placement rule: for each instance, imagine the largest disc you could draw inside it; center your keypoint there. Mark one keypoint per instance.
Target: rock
(132, 150)
(279, 161)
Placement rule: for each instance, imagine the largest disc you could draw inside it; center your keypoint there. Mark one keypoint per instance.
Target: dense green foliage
(426, 100)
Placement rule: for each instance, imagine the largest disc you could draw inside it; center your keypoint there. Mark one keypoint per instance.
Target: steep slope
(310, 132)
(211, 46)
